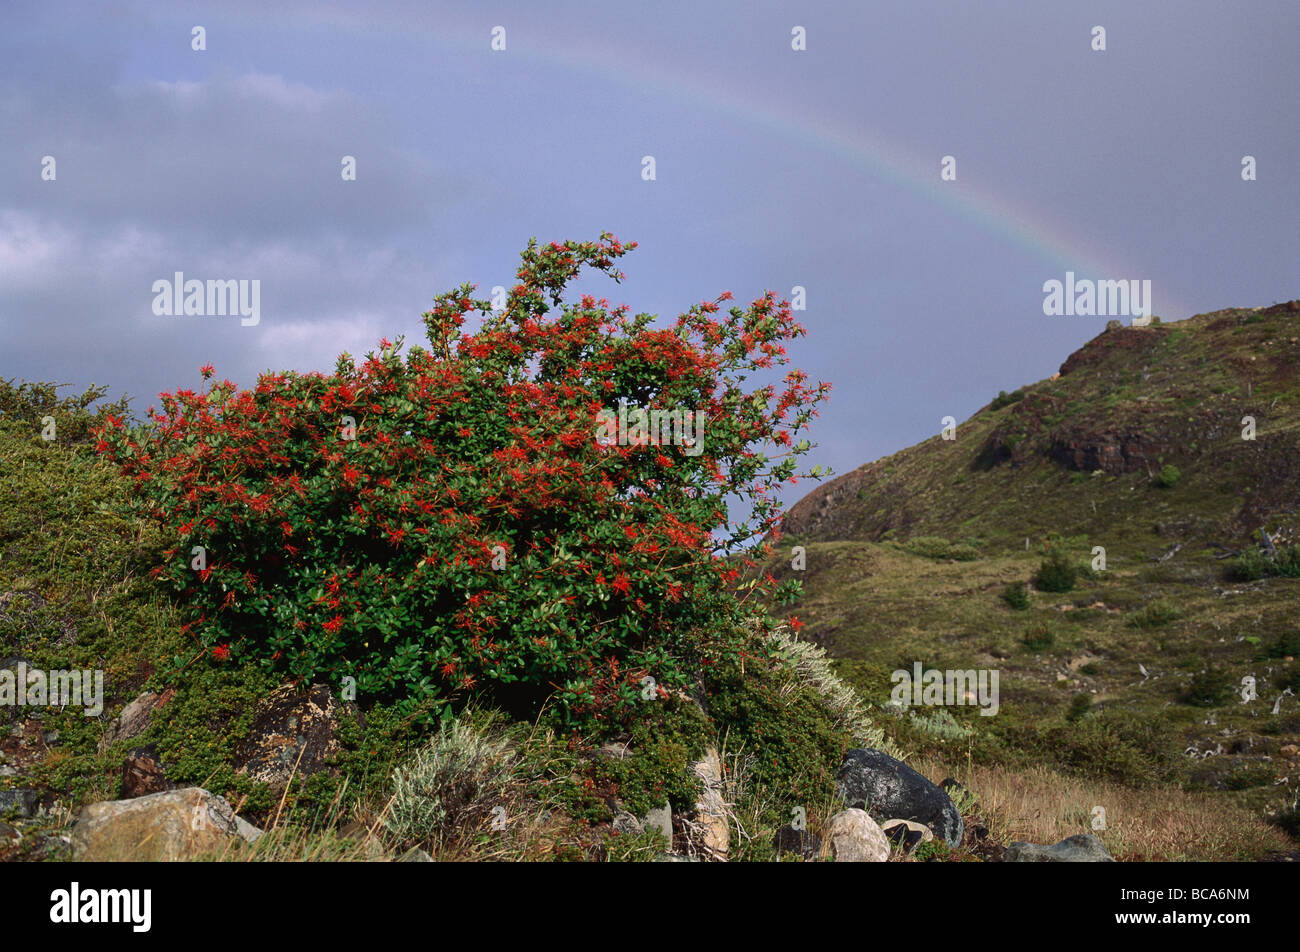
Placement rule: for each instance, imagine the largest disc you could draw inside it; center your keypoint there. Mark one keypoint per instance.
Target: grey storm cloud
(233, 176)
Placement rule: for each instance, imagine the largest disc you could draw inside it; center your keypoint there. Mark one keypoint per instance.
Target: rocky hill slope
(1147, 467)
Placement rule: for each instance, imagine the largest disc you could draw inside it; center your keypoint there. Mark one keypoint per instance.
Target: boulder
(22, 802)
(712, 823)
(661, 819)
(1082, 848)
(853, 837)
(886, 788)
(291, 733)
(176, 825)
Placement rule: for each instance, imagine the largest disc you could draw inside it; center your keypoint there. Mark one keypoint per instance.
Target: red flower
(221, 653)
(795, 623)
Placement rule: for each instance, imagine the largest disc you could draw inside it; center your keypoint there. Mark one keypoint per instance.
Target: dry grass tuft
(1163, 824)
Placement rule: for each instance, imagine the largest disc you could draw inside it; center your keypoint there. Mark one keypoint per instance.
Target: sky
(775, 168)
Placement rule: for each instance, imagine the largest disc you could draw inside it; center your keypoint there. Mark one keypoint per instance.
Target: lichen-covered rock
(143, 774)
(888, 789)
(1082, 848)
(291, 732)
(176, 825)
(21, 802)
(851, 836)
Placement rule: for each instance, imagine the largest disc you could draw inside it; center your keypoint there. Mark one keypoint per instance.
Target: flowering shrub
(456, 520)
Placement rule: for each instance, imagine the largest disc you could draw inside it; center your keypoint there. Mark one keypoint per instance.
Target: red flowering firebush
(452, 521)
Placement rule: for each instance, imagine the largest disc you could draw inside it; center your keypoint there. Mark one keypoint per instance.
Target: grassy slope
(1073, 460)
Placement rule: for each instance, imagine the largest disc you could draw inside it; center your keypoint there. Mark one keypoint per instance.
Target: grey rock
(414, 855)
(134, 719)
(887, 788)
(661, 819)
(1081, 848)
(627, 824)
(23, 802)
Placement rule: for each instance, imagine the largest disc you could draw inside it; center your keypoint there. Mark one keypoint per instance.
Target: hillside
(1135, 674)
(1130, 401)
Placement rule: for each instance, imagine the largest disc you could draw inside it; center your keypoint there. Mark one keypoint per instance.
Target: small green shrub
(1251, 565)
(1288, 679)
(1168, 477)
(1056, 573)
(1254, 563)
(1123, 747)
(1084, 570)
(937, 547)
(1288, 561)
(929, 547)
(1208, 688)
(1004, 399)
(1080, 705)
(1245, 777)
(1154, 614)
(662, 745)
(1038, 637)
(936, 849)
(1287, 643)
(1016, 595)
